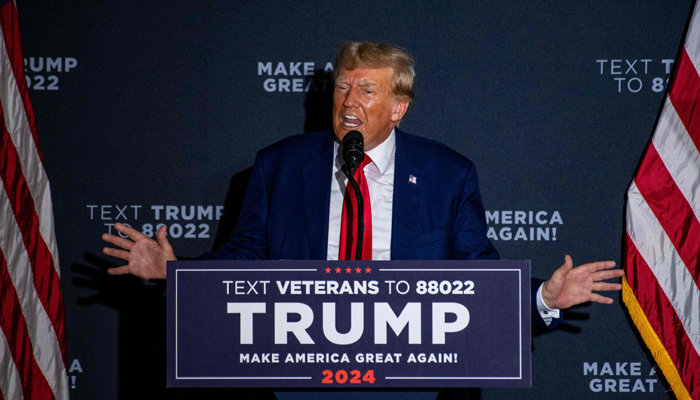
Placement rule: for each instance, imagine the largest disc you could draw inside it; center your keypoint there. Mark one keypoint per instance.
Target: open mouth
(351, 122)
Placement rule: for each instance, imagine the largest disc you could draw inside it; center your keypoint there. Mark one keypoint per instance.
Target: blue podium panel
(349, 324)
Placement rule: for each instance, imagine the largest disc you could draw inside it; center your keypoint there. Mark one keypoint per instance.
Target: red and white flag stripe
(23, 137)
(661, 289)
(32, 317)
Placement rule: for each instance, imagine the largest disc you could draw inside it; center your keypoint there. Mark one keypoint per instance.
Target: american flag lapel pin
(412, 179)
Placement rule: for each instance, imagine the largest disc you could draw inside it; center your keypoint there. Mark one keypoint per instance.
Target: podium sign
(349, 324)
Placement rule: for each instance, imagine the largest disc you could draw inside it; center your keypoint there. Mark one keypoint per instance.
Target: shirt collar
(381, 155)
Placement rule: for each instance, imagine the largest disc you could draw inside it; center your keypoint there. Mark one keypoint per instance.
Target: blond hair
(354, 55)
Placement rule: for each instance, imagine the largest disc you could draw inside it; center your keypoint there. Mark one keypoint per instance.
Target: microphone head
(353, 149)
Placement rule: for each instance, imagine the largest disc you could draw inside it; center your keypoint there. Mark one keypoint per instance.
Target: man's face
(363, 101)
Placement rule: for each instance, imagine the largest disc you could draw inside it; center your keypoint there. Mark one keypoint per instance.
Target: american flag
(32, 317)
(663, 229)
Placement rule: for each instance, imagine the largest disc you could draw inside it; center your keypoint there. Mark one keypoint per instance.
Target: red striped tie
(348, 242)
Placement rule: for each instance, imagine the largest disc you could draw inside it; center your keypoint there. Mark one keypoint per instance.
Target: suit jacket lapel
(407, 197)
(316, 188)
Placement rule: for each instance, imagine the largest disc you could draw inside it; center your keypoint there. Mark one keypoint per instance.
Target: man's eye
(368, 92)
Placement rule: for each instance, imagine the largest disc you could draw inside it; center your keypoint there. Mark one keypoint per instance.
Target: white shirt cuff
(545, 312)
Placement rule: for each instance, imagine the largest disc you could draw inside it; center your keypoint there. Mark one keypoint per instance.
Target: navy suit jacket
(286, 206)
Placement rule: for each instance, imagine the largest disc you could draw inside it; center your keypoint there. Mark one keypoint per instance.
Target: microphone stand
(360, 211)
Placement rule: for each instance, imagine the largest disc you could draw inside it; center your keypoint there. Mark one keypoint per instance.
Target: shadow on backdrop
(232, 207)
(141, 325)
(318, 104)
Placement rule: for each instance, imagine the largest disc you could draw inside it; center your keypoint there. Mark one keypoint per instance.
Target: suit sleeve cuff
(546, 313)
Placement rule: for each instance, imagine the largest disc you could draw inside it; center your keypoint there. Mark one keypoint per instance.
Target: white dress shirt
(380, 181)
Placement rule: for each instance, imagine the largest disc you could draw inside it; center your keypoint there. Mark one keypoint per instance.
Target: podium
(348, 324)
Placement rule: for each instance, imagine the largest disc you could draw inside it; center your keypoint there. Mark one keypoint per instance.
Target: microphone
(353, 154)
(353, 150)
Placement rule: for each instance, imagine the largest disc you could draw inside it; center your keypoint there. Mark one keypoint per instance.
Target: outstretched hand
(570, 286)
(146, 257)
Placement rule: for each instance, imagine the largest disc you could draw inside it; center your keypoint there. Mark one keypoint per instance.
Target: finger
(601, 299)
(163, 239)
(119, 271)
(604, 286)
(124, 255)
(130, 232)
(568, 262)
(563, 271)
(118, 241)
(600, 265)
(607, 274)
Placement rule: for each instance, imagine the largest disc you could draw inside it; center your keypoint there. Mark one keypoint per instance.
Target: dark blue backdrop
(163, 104)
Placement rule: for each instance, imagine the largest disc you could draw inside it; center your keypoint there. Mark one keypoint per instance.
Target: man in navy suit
(425, 201)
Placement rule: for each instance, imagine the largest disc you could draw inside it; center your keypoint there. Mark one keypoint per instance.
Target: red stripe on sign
(46, 281)
(685, 96)
(10, 29)
(663, 318)
(671, 209)
(14, 326)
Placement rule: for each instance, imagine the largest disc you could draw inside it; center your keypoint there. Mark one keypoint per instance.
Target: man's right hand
(146, 257)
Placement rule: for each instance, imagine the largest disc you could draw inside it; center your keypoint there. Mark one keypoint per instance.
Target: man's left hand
(570, 286)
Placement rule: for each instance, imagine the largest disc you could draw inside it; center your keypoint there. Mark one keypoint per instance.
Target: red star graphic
(368, 270)
(358, 270)
(337, 270)
(328, 270)
(348, 270)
